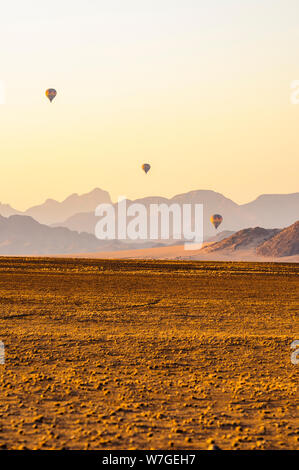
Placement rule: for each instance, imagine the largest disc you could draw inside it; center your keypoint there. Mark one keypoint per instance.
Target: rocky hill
(249, 238)
(284, 243)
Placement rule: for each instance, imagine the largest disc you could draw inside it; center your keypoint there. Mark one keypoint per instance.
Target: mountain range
(268, 211)
(68, 227)
(22, 235)
(272, 243)
(76, 212)
(284, 243)
(251, 244)
(54, 212)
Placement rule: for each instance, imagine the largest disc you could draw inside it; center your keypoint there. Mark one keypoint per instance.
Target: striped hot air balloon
(146, 167)
(50, 94)
(216, 220)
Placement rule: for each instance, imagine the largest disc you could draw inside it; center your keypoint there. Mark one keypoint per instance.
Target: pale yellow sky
(200, 90)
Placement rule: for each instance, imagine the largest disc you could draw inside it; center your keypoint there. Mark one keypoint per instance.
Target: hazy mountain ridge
(282, 246)
(76, 212)
(283, 213)
(52, 211)
(22, 235)
(6, 210)
(274, 210)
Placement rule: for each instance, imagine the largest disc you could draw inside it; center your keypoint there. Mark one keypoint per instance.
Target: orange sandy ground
(107, 354)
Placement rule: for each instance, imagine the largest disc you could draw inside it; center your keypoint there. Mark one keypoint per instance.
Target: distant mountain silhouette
(6, 210)
(274, 210)
(53, 212)
(284, 243)
(77, 211)
(248, 245)
(212, 202)
(268, 211)
(22, 235)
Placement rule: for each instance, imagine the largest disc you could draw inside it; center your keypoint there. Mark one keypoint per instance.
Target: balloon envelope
(146, 167)
(216, 220)
(51, 93)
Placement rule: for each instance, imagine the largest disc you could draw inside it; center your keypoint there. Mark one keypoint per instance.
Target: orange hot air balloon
(50, 94)
(146, 167)
(216, 220)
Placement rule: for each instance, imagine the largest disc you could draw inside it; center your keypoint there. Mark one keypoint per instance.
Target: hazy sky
(200, 89)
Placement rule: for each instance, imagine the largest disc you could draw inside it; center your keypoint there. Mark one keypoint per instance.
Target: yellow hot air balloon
(216, 220)
(50, 94)
(146, 167)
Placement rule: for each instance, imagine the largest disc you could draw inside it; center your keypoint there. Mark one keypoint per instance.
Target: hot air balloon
(216, 220)
(146, 167)
(51, 93)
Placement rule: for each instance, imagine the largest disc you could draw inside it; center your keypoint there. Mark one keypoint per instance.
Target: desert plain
(147, 354)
